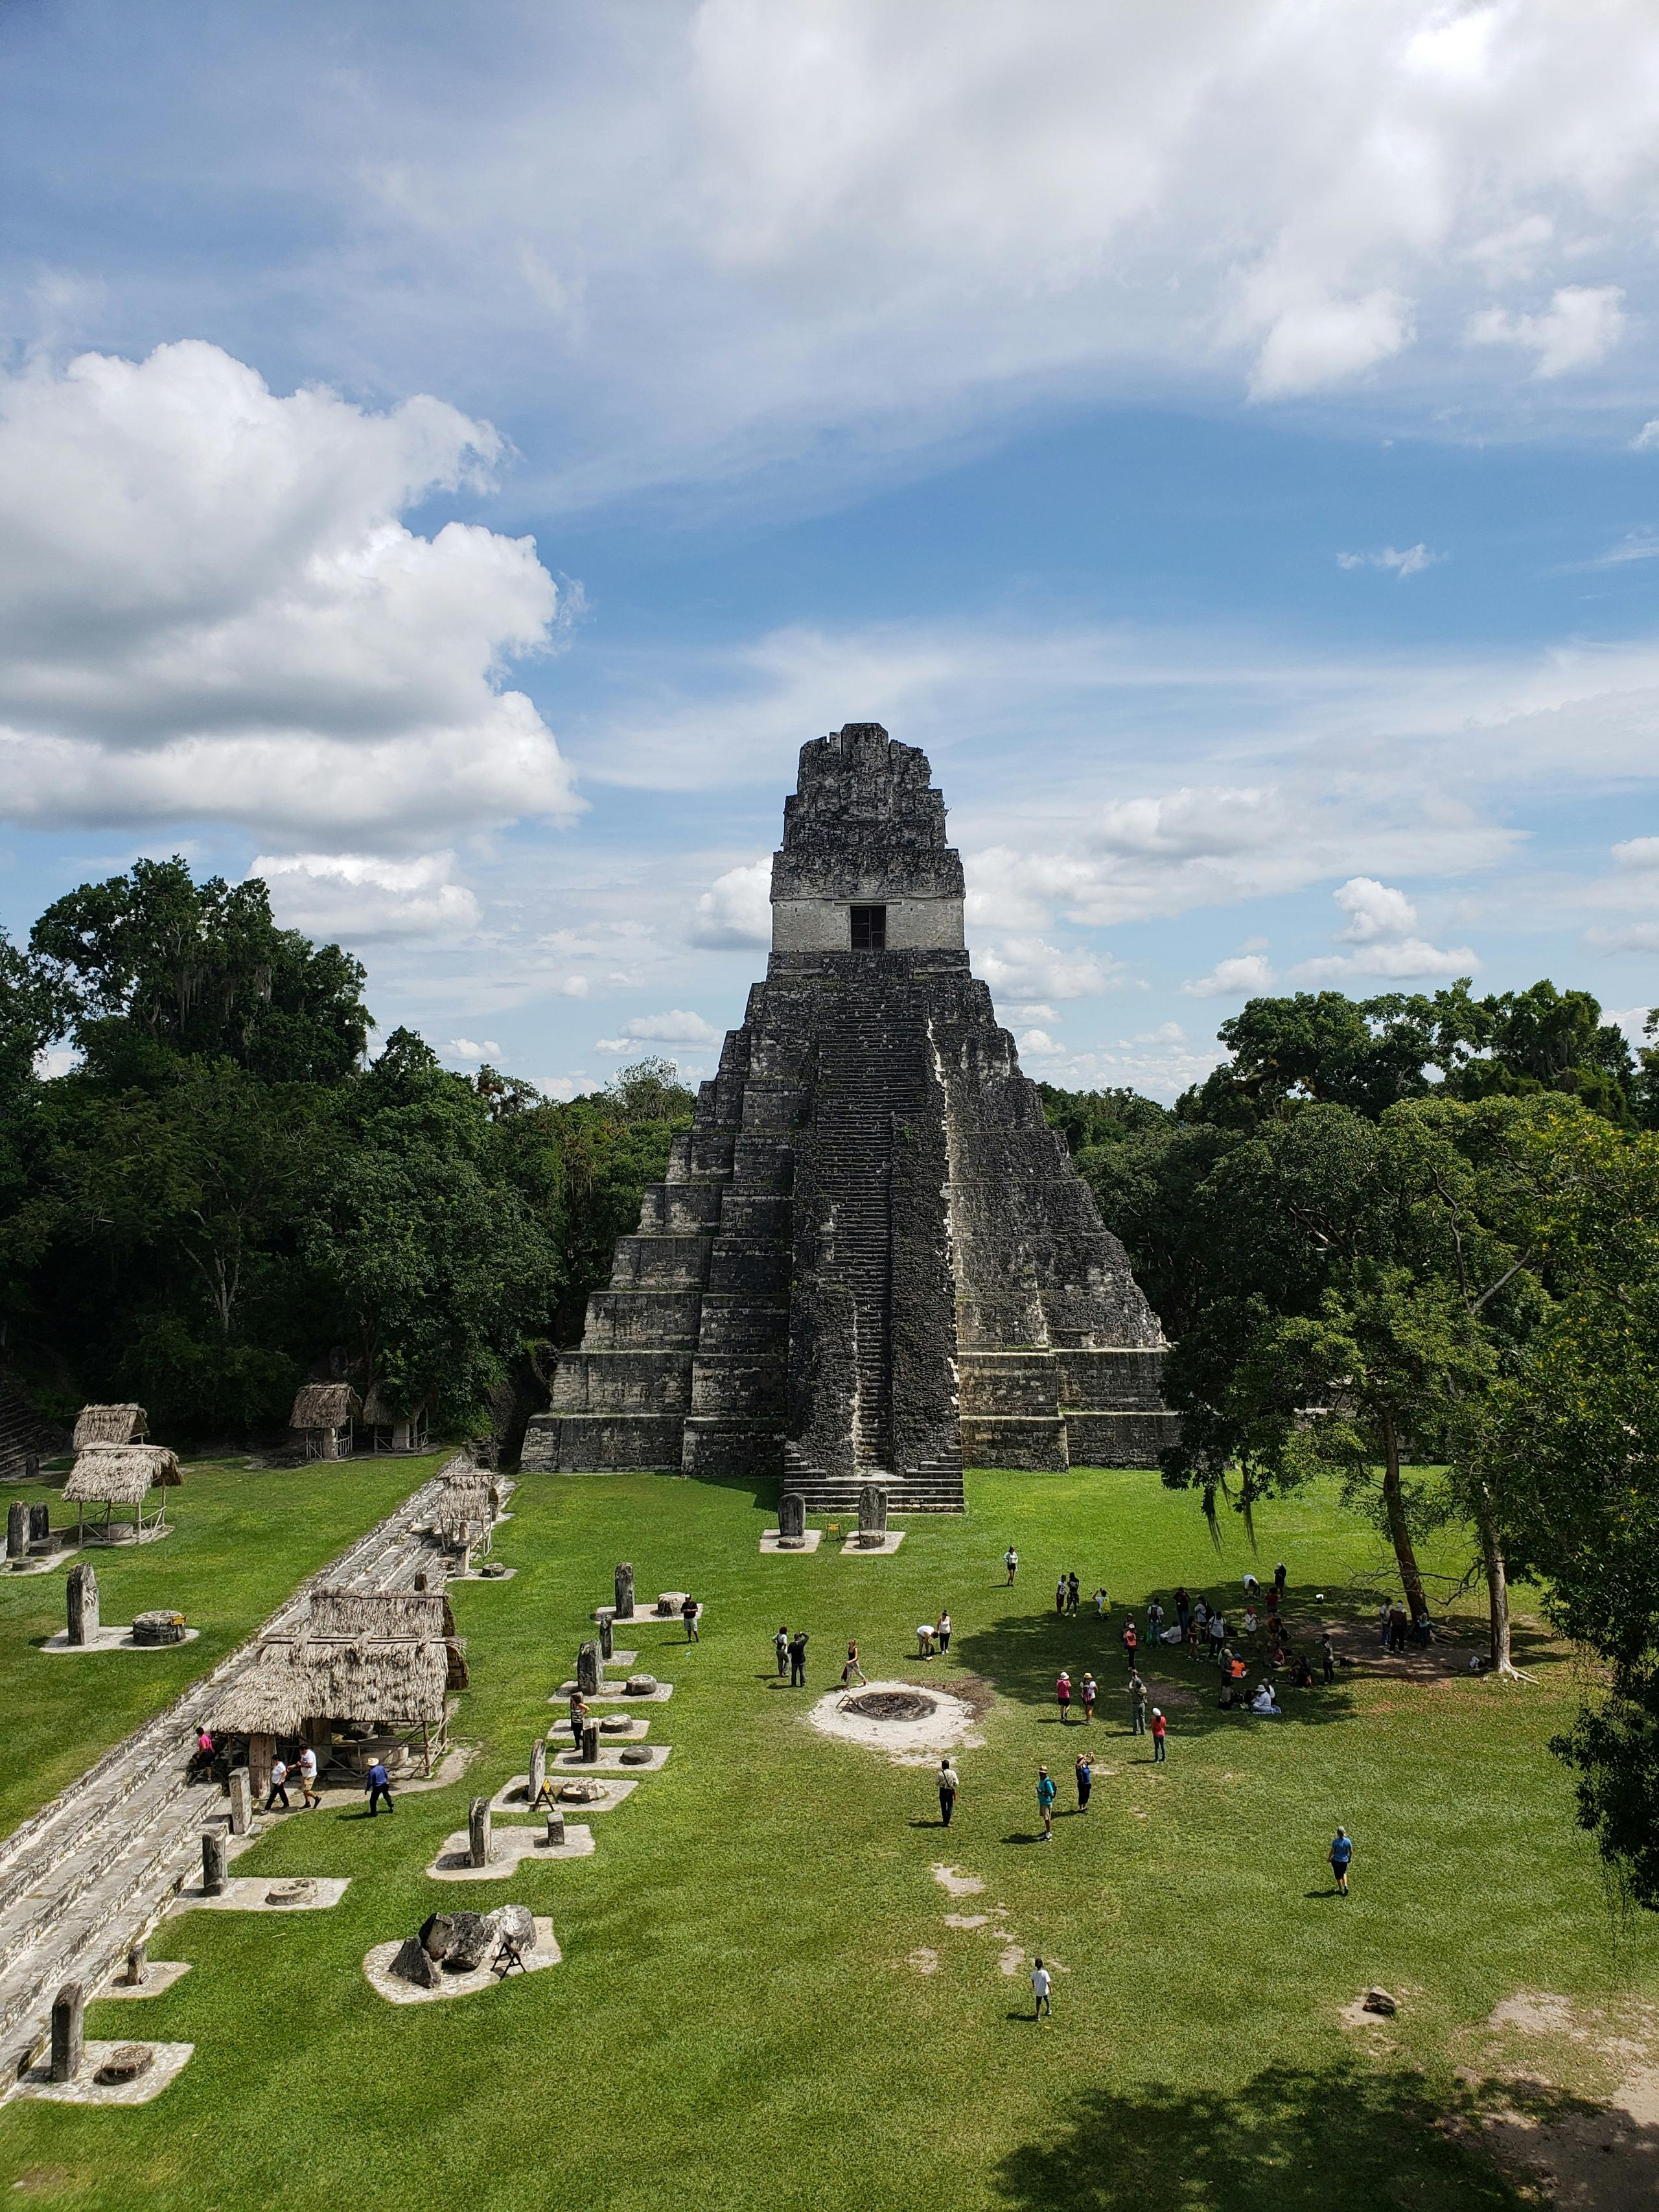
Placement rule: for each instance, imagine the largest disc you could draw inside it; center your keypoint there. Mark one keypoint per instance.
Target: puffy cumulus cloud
(210, 609)
(1022, 967)
(358, 895)
(1323, 341)
(1241, 977)
(677, 1026)
(1381, 923)
(1581, 325)
(735, 910)
(470, 1054)
(1410, 562)
(1646, 440)
(1160, 1063)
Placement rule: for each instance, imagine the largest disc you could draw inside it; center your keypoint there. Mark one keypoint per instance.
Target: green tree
(199, 969)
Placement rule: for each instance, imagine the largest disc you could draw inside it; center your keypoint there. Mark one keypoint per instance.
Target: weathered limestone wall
(871, 1252)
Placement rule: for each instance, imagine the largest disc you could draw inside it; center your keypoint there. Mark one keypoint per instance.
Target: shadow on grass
(1022, 1653)
(1293, 2139)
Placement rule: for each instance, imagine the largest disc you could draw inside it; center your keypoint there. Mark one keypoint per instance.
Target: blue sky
(452, 461)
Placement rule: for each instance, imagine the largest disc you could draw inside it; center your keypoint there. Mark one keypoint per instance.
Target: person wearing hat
(1045, 1795)
(1160, 1728)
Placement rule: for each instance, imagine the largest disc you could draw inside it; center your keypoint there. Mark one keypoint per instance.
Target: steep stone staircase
(92, 1872)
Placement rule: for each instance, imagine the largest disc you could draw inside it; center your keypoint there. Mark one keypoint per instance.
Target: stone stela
(81, 1598)
(872, 1255)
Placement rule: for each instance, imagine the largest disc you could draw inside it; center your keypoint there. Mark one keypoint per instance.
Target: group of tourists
(1397, 1629)
(791, 1651)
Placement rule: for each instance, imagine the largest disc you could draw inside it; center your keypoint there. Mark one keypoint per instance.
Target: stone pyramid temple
(871, 1258)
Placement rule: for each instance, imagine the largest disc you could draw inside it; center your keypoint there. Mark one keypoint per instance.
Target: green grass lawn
(741, 2020)
(241, 1541)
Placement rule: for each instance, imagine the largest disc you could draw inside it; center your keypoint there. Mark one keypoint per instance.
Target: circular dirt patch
(892, 1705)
(913, 1726)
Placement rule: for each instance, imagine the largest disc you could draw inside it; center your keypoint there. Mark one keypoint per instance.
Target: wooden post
(242, 1801)
(426, 1746)
(68, 2031)
(261, 1753)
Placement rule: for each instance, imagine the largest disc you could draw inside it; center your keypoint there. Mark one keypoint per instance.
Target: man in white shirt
(1039, 1991)
(278, 1785)
(309, 1779)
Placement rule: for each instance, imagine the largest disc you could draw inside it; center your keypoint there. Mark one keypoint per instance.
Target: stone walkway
(92, 1873)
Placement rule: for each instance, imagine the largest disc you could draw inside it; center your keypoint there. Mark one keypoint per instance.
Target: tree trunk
(1393, 1497)
(1498, 1588)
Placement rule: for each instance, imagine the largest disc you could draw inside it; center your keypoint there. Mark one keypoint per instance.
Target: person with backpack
(949, 1782)
(1045, 1796)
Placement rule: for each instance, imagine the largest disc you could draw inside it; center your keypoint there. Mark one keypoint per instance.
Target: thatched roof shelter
(365, 1659)
(468, 1505)
(381, 1408)
(122, 1475)
(385, 1613)
(324, 1406)
(110, 1424)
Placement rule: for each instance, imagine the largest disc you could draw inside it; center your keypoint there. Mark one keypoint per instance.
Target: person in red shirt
(1063, 1693)
(1160, 1728)
(1131, 1641)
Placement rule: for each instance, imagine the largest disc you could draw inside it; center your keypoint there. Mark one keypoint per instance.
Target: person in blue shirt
(1341, 1853)
(379, 1785)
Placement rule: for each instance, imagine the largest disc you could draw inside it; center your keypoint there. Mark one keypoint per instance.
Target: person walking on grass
(1341, 1853)
(1073, 1593)
(853, 1667)
(1059, 1596)
(780, 1645)
(1090, 1690)
(689, 1615)
(308, 1779)
(1063, 1696)
(379, 1785)
(1046, 1803)
(798, 1659)
(1160, 1730)
(1011, 1561)
(1086, 1780)
(278, 1785)
(949, 1782)
(1137, 1705)
(943, 1632)
(1040, 1987)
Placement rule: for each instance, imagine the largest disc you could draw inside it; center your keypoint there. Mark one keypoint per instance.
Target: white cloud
(1641, 853)
(1374, 910)
(1024, 968)
(210, 609)
(463, 1049)
(1410, 562)
(1635, 545)
(1037, 1044)
(1382, 922)
(675, 1027)
(1581, 326)
(1241, 977)
(356, 897)
(736, 909)
(1324, 341)
(1646, 440)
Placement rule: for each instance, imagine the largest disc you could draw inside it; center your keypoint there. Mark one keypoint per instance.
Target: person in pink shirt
(1063, 1693)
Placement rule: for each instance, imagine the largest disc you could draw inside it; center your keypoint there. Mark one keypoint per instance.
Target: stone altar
(871, 1254)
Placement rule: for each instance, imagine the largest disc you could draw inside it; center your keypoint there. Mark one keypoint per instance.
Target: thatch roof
(110, 1424)
(381, 1409)
(324, 1406)
(384, 1614)
(401, 1682)
(466, 1501)
(120, 1474)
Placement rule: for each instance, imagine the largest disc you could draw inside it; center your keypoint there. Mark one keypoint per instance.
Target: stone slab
(377, 1966)
(890, 1541)
(642, 1617)
(475, 1575)
(609, 1762)
(42, 1563)
(159, 1974)
(615, 1788)
(248, 1893)
(663, 1692)
(170, 2061)
(769, 1542)
(110, 1638)
(509, 1846)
